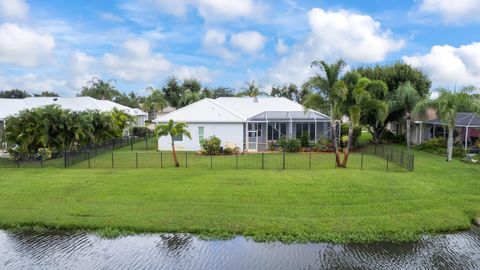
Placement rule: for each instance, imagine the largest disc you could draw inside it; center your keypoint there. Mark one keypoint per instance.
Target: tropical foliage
(447, 105)
(291, 92)
(211, 145)
(52, 129)
(173, 130)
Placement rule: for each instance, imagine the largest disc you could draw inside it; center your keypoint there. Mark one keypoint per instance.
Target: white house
(251, 124)
(9, 107)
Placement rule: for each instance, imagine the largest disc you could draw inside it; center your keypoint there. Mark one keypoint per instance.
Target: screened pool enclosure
(264, 129)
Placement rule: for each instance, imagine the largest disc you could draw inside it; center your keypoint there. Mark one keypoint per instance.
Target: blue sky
(59, 45)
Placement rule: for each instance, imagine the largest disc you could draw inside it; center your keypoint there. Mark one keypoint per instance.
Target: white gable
(203, 111)
(230, 109)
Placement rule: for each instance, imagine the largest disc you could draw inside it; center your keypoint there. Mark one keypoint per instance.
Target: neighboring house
(9, 107)
(252, 124)
(467, 129)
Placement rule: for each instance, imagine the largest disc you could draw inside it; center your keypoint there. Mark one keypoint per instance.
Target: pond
(69, 250)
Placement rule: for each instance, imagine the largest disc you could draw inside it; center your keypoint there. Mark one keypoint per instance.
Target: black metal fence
(378, 158)
(392, 156)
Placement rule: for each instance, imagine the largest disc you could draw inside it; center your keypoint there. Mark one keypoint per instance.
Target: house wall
(231, 135)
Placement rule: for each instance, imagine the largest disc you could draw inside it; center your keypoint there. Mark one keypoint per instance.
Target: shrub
(304, 139)
(228, 151)
(236, 150)
(324, 144)
(388, 136)
(211, 145)
(290, 145)
(140, 131)
(357, 132)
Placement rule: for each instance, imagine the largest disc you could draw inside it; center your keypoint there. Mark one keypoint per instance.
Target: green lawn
(338, 205)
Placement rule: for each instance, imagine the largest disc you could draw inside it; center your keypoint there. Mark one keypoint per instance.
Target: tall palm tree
(155, 102)
(251, 90)
(447, 106)
(173, 129)
(405, 98)
(332, 90)
(189, 97)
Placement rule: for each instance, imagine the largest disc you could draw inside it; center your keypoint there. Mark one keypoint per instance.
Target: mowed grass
(337, 205)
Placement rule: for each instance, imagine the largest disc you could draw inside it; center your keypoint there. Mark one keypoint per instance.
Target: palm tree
(155, 102)
(332, 90)
(251, 90)
(173, 129)
(447, 106)
(405, 99)
(189, 97)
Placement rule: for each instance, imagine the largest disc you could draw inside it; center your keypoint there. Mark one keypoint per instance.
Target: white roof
(10, 107)
(231, 109)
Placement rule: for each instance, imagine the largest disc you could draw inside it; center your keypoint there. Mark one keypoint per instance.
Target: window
(201, 133)
(178, 138)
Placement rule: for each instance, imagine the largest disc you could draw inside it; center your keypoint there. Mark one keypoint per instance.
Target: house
(250, 123)
(467, 128)
(9, 107)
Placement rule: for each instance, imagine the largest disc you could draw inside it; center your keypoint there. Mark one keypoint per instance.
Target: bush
(228, 151)
(236, 150)
(388, 136)
(290, 145)
(357, 132)
(305, 139)
(324, 144)
(140, 131)
(211, 145)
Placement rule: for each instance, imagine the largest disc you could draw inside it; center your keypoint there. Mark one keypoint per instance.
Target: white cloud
(214, 43)
(448, 65)
(452, 11)
(212, 10)
(82, 69)
(111, 17)
(24, 46)
(251, 42)
(137, 62)
(31, 82)
(13, 10)
(336, 34)
(281, 47)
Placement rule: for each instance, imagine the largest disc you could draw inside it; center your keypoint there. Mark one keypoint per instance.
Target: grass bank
(336, 205)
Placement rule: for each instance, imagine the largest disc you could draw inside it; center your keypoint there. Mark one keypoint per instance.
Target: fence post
(131, 143)
(146, 142)
(113, 165)
(113, 144)
(88, 155)
(413, 162)
(401, 158)
(236, 161)
(211, 161)
(387, 163)
(310, 161)
(65, 158)
(18, 163)
(263, 161)
(186, 159)
(41, 162)
(283, 160)
(73, 158)
(136, 160)
(361, 163)
(161, 159)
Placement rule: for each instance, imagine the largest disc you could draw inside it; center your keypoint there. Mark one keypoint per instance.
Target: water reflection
(61, 250)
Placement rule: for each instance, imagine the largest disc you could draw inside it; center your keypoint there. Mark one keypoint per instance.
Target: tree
(100, 89)
(405, 99)
(46, 94)
(394, 75)
(189, 97)
(447, 106)
(14, 93)
(251, 90)
(223, 92)
(332, 89)
(291, 92)
(172, 91)
(131, 99)
(155, 102)
(173, 129)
